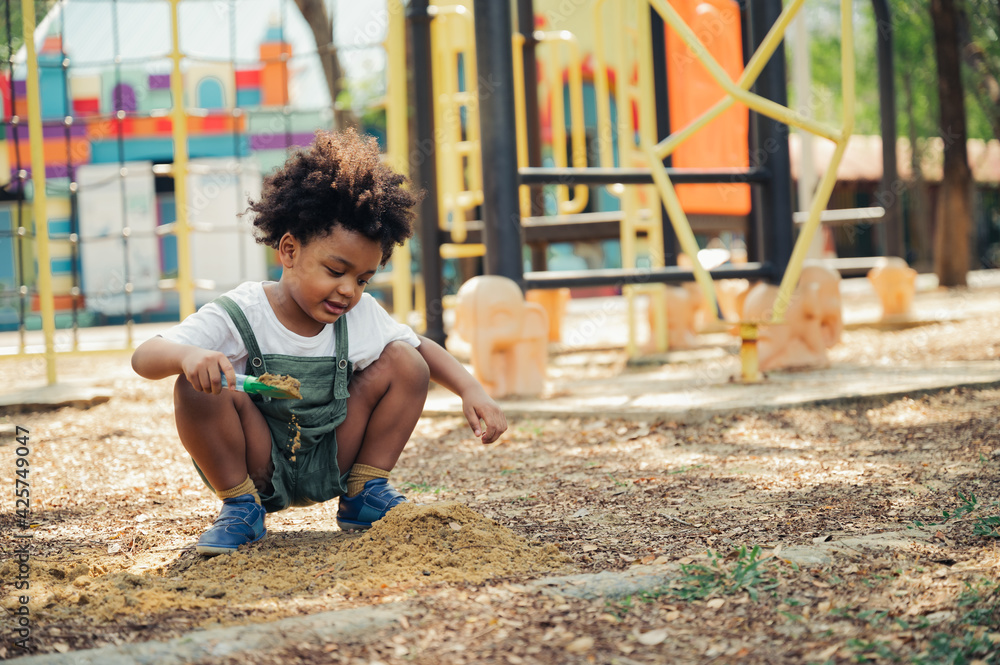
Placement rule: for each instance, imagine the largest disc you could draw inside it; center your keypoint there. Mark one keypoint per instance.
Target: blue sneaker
(357, 513)
(240, 521)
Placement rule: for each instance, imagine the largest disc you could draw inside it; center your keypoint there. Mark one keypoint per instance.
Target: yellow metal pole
(45, 295)
(521, 121)
(826, 184)
(646, 129)
(605, 140)
(185, 282)
(749, 360)
(397, 140)
(574, 68)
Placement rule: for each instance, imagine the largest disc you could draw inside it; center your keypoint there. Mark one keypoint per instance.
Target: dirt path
(116, 506)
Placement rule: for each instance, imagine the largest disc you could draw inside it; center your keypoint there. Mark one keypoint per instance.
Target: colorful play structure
(636, 125)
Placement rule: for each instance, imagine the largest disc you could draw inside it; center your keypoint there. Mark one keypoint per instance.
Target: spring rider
(507, 336)
(812, 324)
(895, 282)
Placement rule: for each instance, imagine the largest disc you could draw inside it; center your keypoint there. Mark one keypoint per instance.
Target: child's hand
(485, 417)
(203, 370)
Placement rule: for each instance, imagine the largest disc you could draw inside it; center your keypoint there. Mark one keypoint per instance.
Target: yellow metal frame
(521, 121)
(555, 43)
(736, 91)
(46, 297)
(458, 163)
(397, 147)
(640, 203)
(185, 282)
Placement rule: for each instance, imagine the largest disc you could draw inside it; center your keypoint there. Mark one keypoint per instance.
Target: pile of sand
(412, 546)
(446, 542)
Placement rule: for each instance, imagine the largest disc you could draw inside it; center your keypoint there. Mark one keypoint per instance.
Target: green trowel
(268, 385)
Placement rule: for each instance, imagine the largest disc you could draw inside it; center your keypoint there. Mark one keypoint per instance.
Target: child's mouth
(334, 308)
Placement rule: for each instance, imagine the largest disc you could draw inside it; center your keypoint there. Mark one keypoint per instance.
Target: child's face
(327, 276)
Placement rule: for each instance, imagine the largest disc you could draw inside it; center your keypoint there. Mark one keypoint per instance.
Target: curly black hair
(338, 180)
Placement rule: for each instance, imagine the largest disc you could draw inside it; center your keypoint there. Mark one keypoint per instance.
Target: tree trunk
(920, 207)
(987, 87)
(953, 214)
(321, 24)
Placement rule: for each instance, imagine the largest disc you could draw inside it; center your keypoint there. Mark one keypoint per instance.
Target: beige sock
(246, 487)
(361, 474)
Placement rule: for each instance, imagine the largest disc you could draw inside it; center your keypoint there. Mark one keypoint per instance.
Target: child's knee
(405, 362)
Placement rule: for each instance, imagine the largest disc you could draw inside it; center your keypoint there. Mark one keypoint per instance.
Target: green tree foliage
(12, 25)
(981, 53)
(913, 49)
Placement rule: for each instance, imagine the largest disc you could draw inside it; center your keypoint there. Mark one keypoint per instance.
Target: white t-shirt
(369, 330)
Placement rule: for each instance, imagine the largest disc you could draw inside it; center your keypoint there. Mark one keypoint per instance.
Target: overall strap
(255, 361)
(343, 364)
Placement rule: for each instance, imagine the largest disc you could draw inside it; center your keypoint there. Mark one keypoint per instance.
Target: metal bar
(637, 176)
(37, 143)
(844, 216)
(526, 26)
(397, 147)
(118, 100)
(755, 234)
(422, 166)
(772, 144)
(185, 285)
(74, 220)
(625, 276)
(662, 104)
(497, 126)
(794, 268)
(889, 198)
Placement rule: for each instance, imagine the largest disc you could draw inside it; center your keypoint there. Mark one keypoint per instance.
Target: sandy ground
(909, 487)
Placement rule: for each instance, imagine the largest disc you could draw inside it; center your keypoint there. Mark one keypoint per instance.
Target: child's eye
(362, 282)
(335, 273)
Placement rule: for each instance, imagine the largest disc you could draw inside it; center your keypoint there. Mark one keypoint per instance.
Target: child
(334, 213)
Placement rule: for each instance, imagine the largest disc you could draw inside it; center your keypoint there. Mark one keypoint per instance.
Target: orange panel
(139, 126)
(274, 74)
(62, 302)
(723, 142)
(54, 151)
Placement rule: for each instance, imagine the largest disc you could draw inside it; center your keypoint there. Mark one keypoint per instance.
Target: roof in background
(88, 28)
(863, 159)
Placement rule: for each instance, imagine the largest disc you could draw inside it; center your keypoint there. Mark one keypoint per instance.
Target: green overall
(303, 431)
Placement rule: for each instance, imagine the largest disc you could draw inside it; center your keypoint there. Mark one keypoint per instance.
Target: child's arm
(476, 404)
(158, 358)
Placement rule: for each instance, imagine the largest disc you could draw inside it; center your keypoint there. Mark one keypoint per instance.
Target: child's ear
(289, 249)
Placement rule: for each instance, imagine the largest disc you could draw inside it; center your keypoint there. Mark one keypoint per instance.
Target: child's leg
(387, 398)
(225, 434)
(230, 440)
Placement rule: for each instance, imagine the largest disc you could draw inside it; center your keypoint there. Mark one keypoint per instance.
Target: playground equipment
(508, 336)
(640, 137)
(760, 87)
(767, 101)
(132, 194)
(895, 282)
(813, 320)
